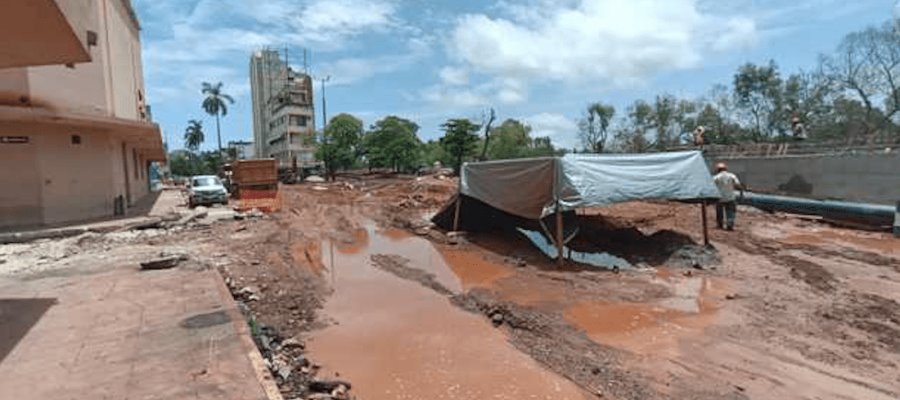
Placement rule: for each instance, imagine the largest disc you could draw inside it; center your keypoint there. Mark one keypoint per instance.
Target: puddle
(602, 260)
(205, 320)
(395, 339)
(646, 328)
(474, 269)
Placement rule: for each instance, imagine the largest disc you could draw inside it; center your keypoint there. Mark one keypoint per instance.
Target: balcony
(45, 32)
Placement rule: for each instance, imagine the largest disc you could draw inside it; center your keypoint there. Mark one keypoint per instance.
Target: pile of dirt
(295, 375)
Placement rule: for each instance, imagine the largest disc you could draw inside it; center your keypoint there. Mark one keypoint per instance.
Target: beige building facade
(76, 141)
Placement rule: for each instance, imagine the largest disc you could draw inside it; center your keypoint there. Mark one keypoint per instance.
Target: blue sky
(540, 61)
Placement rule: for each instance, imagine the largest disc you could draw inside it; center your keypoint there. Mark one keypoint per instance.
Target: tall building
(76, 140)
(283, 112)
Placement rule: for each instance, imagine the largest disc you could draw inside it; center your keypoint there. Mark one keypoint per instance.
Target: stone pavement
(127, 334)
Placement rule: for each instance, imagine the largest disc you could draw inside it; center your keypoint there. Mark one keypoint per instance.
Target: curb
(263, 376)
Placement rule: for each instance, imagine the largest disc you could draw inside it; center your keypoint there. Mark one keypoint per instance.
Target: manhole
(206, 320)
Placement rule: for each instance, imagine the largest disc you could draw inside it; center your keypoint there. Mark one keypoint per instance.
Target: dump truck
(255, 183)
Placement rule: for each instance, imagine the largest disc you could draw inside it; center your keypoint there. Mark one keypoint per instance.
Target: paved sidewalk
(127, 334)
(152, 208)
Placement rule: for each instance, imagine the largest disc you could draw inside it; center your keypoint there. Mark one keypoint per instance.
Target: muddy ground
(368, 294)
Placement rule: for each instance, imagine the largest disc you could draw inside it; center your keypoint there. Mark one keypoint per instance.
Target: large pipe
(862, 213)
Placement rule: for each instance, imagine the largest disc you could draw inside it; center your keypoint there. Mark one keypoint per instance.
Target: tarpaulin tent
(537, 187)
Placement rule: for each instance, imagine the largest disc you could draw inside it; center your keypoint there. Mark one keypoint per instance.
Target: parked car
(206, 190)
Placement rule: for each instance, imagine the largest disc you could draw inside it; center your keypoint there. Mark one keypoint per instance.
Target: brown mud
(781, 308)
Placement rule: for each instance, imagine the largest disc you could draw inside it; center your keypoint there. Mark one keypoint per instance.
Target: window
(76, 139)
(298, 120)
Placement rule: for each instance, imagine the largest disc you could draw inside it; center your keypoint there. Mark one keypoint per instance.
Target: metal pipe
(863, 213)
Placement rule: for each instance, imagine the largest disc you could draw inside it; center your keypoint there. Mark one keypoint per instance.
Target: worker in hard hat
(726, 208)
(699, 136)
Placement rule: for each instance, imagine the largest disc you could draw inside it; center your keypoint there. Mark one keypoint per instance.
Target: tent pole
(705, 224)
(559, 236)
(456, 213)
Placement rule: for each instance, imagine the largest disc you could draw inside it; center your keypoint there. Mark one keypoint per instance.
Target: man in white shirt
(726, 208)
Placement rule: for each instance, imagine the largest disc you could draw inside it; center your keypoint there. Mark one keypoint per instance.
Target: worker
(726, 208)
(699, 136)
(798, 128)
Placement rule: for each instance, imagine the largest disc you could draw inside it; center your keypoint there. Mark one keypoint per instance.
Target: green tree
(460, 139)
(340, 143)
(193, 135)
(432, 152)
(757, 89)
(392, 143)
(593, 129)
(866, 68)
(512, 139)
(631, 136)
(215, 103)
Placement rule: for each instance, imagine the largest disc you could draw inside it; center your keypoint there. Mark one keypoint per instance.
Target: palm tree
(193, 135)
(215, 104)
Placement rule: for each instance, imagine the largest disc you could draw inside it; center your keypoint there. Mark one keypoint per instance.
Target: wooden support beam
(560, 256)
(456, 213)
(705, 223)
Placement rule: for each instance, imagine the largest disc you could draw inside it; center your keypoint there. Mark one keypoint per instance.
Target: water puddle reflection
(602, 260)
(395, 339)
(651, 327)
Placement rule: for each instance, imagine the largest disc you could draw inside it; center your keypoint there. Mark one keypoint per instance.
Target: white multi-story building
(283, 112)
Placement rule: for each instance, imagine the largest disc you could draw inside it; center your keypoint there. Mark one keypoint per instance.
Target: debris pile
(296, 376)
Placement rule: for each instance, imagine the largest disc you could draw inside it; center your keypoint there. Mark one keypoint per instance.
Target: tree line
(853, 93)
(393, 143)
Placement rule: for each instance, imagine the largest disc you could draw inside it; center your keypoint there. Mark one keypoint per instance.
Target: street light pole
(324, 112)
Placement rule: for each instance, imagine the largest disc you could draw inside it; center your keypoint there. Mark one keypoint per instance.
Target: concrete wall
(871, 178)
(51, 179)
(108, 85)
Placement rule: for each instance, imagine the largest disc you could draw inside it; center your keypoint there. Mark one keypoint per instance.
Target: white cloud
(350, 70)
(503, 91)
(454, 76)
(562, 130)
(740, 33)
(335, 20)
(606, 42)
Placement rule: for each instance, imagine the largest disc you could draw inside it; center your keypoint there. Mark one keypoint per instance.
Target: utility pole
(324, 113)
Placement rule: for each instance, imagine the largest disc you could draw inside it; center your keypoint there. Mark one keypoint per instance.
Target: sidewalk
(154, 206)
(127, 334)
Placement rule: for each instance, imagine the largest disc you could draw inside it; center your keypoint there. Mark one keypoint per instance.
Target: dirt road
(783, 308)
(786, 308)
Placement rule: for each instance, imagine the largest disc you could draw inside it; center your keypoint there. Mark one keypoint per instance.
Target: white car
(206, 190)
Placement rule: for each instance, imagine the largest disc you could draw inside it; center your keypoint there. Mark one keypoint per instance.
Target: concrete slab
(127, 334)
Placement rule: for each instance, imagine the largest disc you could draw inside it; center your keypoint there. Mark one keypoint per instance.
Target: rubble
(164, 261)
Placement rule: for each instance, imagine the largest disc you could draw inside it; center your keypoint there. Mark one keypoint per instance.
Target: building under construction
(283, 113)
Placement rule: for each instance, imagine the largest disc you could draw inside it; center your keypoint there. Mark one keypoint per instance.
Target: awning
(534, 188)
(44, 32)
(144, 136)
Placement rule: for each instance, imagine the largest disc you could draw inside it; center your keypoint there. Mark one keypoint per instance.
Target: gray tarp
(530, 187)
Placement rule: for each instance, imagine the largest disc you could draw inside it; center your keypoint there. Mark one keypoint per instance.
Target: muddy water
(395, 339)
(650, 328)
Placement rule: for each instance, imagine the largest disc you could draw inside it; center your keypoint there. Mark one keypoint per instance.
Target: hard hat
(721, 166)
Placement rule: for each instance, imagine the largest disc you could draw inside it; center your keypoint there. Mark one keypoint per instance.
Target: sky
(539, 61)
